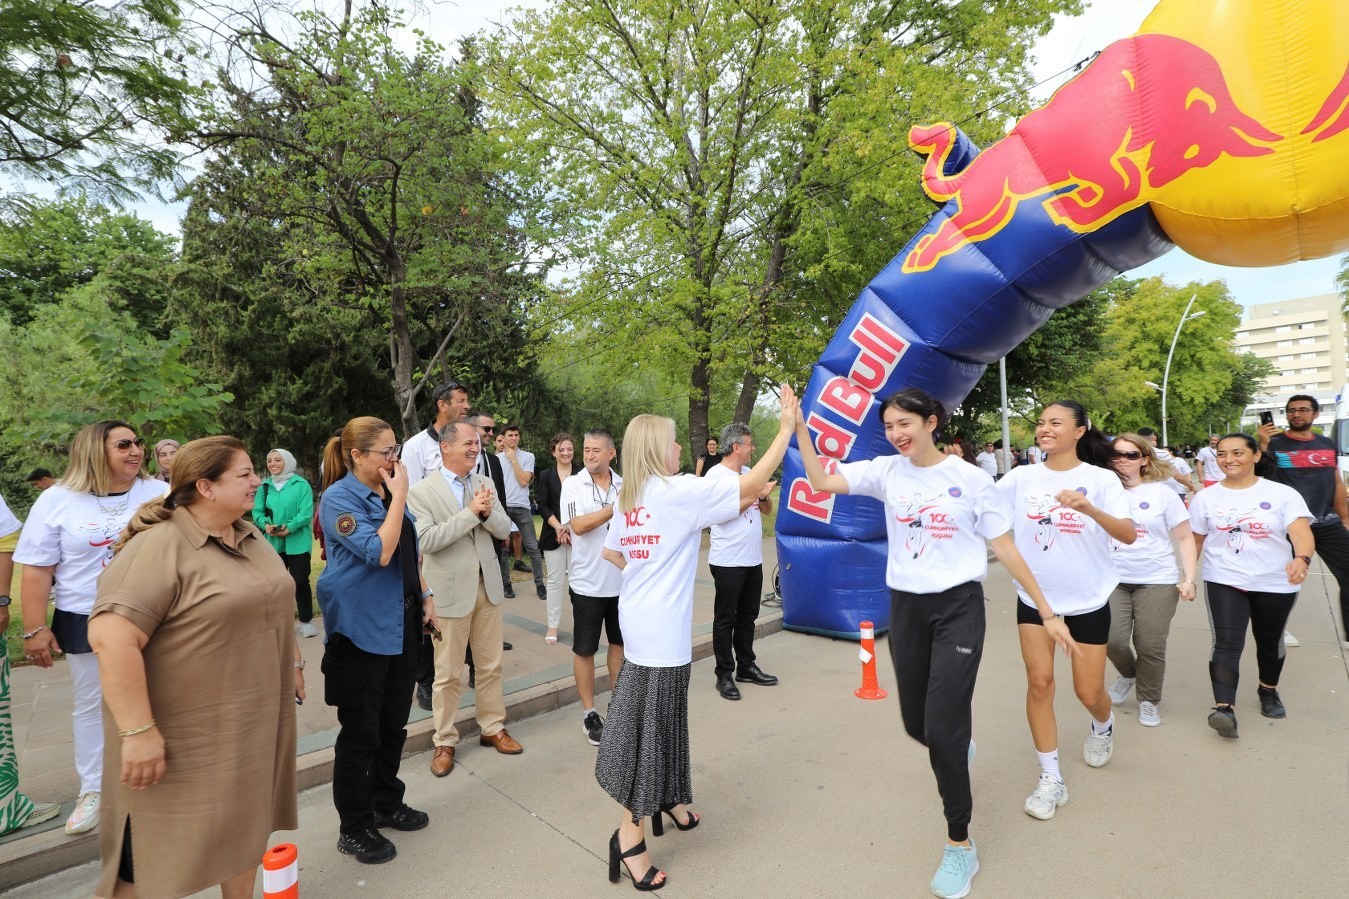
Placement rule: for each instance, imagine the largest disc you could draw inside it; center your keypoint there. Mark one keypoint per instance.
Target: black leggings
(1229, 609)
(936, 642)
(298, 566)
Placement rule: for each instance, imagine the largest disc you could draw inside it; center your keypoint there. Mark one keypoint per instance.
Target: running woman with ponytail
(1066, 512)
(936, 596)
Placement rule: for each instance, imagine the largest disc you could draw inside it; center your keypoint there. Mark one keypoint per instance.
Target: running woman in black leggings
(936, 598)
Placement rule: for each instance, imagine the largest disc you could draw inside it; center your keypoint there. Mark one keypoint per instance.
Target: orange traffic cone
(281, 872)
(871, 688)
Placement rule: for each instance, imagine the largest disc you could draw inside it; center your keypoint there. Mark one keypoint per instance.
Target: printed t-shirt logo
(346, 524)
(1311, 458)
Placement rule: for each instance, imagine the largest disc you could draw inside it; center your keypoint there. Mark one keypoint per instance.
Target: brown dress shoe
(502, 741)
(442, 762)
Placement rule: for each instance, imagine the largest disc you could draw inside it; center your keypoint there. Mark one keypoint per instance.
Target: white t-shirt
(1246, 533)
(1208, 458)
(589, 574)
(516, 493)
(988, 462)
(75, 532)
(660, 539)
(9, 523)
(421, 455)
(937, 519)
(737, 543)
(1068, 553)
(1180, 465)
(1034, 456)
(1150, 559)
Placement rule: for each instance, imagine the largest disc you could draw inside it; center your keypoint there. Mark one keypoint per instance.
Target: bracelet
(136, 730)
(427, 593)
(1183, 583)
(33, 633)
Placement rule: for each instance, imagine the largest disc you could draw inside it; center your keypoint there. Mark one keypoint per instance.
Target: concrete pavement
(808, 791)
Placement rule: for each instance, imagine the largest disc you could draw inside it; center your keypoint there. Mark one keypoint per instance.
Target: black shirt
(407, 555)
(1309, 467)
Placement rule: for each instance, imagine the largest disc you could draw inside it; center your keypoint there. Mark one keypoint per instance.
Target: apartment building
(1307, 342)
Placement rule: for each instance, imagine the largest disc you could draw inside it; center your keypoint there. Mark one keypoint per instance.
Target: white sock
(585, 712)
(1049, 763)
(1101, 728)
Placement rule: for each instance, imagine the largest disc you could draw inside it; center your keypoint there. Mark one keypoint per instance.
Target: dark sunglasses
(489, 429)
(126, 443)
(1131, 455)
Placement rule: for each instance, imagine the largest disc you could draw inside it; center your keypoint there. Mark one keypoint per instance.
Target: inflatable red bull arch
(1222, 128)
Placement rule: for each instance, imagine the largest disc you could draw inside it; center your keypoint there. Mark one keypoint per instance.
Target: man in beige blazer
(458, 513)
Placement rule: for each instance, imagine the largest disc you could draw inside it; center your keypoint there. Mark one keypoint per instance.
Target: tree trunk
(401, 349)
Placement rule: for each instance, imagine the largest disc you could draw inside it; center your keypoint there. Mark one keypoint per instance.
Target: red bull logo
(1146, 112)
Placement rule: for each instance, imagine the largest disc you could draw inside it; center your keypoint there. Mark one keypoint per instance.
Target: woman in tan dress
(192, 627)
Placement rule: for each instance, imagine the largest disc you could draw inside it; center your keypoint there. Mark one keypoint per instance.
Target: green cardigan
(292, 506)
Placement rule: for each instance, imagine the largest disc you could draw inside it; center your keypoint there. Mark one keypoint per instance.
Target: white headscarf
(287, 468)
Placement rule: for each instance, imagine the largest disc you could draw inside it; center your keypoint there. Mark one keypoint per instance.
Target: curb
(49, 851)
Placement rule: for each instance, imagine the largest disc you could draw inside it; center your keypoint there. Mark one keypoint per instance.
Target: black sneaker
(522, 565)
(424, 696)
(1223, 720)
(593, 725)
(402, 818)
(510, 592)
(369, 846)
(1270, 704)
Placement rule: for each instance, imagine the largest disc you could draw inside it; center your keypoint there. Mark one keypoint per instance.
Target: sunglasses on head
(1131, 455)
(127, 443)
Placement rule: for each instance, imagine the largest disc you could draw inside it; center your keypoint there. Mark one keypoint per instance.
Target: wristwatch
(4, 601)
(300, 665)
(1307, 559)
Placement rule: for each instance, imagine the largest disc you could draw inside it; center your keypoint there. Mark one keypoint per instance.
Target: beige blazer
(456, 545)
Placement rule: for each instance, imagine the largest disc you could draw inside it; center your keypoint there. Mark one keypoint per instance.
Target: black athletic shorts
(1091, 628)
(590, 614)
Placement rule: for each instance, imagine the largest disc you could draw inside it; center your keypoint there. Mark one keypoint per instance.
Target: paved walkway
(808, 791)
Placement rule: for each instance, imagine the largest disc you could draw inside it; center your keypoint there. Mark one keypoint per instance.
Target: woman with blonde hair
(66, 543)
(375, 607)
(643, 760)
(1144, 602)
(200, 674)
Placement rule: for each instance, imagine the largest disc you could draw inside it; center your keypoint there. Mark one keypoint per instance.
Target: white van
(1339, 431)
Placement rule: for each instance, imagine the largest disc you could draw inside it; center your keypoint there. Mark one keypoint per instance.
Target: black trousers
(734, 609)
(1229, 609)
(426, 661)
(936, 642)
(1332, 545)
(298, 566)
(373, 695)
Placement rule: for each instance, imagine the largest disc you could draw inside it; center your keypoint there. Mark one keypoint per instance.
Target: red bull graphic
(1174, 136)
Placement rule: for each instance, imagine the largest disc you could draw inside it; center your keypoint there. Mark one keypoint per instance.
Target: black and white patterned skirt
(643, 760)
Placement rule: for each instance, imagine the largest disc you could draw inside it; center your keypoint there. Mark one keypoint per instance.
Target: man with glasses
(1306, 462)
(489, 466)
(421, 454)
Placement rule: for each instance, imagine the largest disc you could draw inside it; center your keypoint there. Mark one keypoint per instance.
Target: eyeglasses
(1300, 410)
(127, 443)
(389, 454)
(488, 429)
(1131, 455)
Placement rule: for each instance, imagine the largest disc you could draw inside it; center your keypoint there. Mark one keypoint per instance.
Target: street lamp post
(1166, 374)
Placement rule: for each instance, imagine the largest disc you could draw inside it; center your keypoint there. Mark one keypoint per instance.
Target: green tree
(1342, 283)
(727, 174)
(92, 92)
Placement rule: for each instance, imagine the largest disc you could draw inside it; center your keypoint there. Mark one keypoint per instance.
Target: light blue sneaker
(959, 864)
(970, 758)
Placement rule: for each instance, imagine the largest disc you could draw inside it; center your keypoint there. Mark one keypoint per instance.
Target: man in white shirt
(518, 468)
(587, 506)
(987, 460)
(1034, 455)
(736, 560)
(1209, 472)
(421, 453)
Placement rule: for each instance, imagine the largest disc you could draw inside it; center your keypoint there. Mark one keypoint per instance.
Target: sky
(1070, 40)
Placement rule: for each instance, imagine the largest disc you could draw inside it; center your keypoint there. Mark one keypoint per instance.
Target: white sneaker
(1290, 640)
(85, 816)
(1048, 796)
(1147, 714)
(1098, 748)
(307, 629)
(1120, 690)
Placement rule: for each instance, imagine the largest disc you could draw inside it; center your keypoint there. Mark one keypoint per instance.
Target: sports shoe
(1223, 720)
(959, 864)
(1290, 640)
(42, 811)
(593, 725)
(969, 758)
(1048, 796)
(307, 629)
(1099, 747)
(1120, 690)
(1147, 714)
(1270, 704)
(405, 817)
(85, 816)
(369, 846)
(521, 565)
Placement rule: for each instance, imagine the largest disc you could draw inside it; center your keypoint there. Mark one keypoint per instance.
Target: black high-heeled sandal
(658, 822)
(647, 884)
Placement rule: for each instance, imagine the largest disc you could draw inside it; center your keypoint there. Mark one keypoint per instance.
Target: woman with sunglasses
(1144, 602)
(375, 607)
(67, 542)
(1244, 526)
(937, 618)
(1066, 511)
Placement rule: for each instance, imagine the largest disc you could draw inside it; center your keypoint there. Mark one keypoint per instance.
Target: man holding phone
(458, 514)
(1306, 461)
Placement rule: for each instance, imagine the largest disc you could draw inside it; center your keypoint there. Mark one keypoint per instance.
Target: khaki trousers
(482, 630)
(1140, 614)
